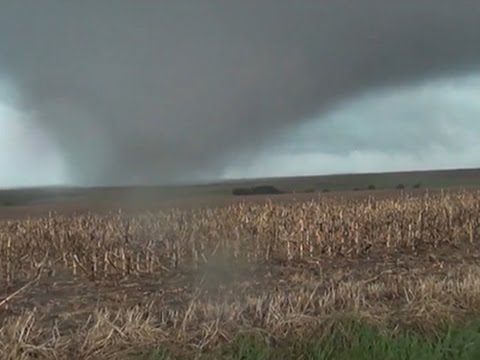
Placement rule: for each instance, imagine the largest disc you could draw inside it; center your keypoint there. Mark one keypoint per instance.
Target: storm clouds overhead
(427, 126)
(125, 92)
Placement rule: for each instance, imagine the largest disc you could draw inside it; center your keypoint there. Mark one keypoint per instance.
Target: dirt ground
(39, 202)
(373, 282)
(132, 204)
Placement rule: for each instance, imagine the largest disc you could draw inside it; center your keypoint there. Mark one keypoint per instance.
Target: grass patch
(352, 341)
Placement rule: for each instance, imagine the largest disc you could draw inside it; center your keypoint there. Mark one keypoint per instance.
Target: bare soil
(208, 303)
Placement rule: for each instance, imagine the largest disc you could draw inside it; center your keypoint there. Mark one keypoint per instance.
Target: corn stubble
(95, 286)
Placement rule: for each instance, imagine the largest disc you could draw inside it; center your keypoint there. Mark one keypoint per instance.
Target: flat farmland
(186, 273)
(40, 201)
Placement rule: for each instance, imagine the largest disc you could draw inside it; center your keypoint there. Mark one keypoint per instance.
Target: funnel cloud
(178, 91)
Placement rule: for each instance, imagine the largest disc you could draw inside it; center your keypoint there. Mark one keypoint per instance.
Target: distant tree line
(398, 187)
(272, 190)
(257, 190)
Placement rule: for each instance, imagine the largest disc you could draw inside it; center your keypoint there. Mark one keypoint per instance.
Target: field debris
(101, 286)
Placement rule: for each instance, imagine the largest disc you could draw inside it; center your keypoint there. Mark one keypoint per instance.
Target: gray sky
(118, 91)
(433, 125)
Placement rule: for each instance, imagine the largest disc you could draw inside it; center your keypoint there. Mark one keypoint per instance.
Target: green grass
(353, 342)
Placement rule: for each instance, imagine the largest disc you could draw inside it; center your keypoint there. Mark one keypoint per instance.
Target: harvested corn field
(190, 280)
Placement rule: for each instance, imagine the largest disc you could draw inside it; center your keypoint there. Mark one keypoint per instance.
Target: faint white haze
(28, 157)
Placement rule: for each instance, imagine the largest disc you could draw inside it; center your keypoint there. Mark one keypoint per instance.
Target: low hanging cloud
(178, 91)
(432, 125)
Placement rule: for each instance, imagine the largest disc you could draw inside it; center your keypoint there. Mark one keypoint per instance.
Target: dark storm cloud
(161, 91)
